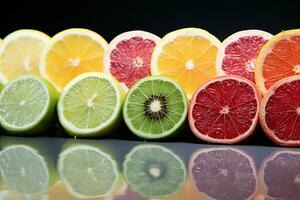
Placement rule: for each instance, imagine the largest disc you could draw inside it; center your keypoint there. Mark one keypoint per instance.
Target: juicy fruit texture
(223, 173)
(224, 110)
(90, 105)
(280, 175)
(154, 171)
(238, 52)
(155, 107)
(278, 59)
(23, 169)
(70, 53)
(87, 171)
(279, 112)
(20, 53)
(129, 55)
(188, 56)
(27, 104)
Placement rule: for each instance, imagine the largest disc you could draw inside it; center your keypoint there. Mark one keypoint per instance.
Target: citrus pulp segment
(20, 53)
(88, 172)
(128, 56)
(154, 171)
(278, 59)
(155, 107)
(27, 105)
(279, 112)
(238, 53)
(70, 53)
(90, 105)
(187, 55)
(224, 110)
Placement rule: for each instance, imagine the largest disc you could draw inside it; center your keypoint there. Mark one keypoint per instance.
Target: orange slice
(187, 55)
(70, 53)
(279, 58)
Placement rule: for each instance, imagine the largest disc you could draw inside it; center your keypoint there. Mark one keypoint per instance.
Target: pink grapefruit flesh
(129, 55)
(223, 173)
(224, 110)
(280, 110)
(280, 175)
(238, 52)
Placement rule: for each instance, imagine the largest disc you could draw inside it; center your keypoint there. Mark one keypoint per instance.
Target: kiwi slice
(154, 171)
(155, 107)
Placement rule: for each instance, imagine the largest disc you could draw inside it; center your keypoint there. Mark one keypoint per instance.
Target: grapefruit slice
(238, 52)
(279, 112)
(223, 173)
(280, 175)
(128, 56)
(187, 55)
(279, 58)
(224, 110)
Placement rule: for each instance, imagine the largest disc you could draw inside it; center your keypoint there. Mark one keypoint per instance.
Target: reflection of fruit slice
(238, 52)
(187, 55)
(155, 107)
(24, 170)
(87, 172)
(20, 53)
(27, 105)
(154, 171)
(279, 112)
(70, 53)
(224, 110)
(126, 193)
(223, 173)
(90, 105)
(280, 175)
(128, 56)
(9, 195)
(279, 58)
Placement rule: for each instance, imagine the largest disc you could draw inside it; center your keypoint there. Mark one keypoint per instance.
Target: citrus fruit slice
(90, 105)
(128, 56)
(155, 107)
(223, 173)
(70, 53)
(238, 52)
(20, 53)
(224, 110)
(279, 112)
(87, 172)
(154, 171)
(27, 105)
(23, 169)
(187, 55)
(278, 59)
(280, 175)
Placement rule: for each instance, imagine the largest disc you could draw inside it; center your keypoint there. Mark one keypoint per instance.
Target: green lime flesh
(155, 107)
(27, 105)
(23, 170)
(154, 171)
(87, 171)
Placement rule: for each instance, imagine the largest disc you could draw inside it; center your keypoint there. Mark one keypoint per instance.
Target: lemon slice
(70, 53)
(20, 53)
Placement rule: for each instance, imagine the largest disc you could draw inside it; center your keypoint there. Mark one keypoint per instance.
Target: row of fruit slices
(192, 57)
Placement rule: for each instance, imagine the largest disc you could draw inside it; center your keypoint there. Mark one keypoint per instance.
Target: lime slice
(154, 171)
(90, 105)
(87, 171)
(27, 104)
(23, 169)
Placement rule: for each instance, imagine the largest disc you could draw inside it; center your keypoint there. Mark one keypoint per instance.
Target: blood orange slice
(223, 173)
(280, 175)
(224, 110)
(129, 55)
(238, 52)
(279, 112)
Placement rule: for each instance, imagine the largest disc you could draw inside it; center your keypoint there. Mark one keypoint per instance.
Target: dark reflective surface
(58, 168)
